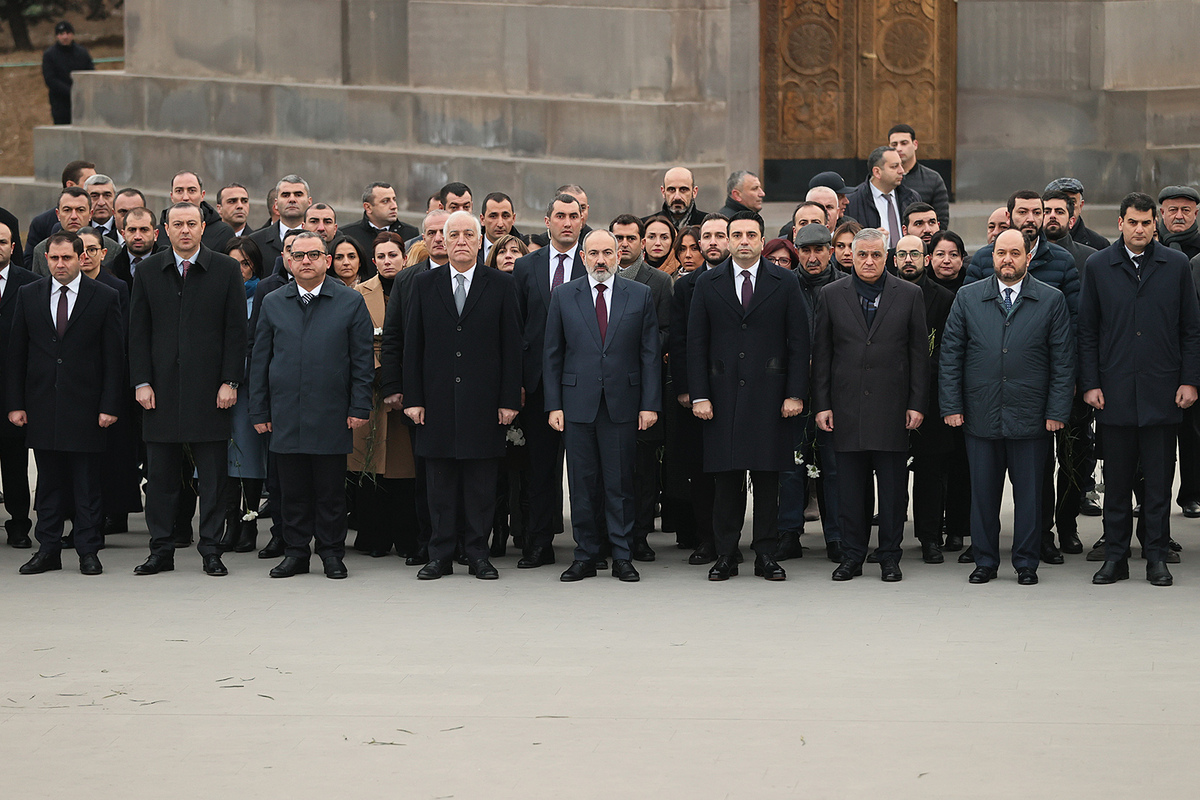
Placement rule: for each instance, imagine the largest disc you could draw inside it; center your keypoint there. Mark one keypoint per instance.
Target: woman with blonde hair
(505, 252)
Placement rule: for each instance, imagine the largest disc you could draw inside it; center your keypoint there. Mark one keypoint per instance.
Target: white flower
(909, 462)
(813, 472)
(250, 516)
(379, 331)
(515, 436)
(799, 458)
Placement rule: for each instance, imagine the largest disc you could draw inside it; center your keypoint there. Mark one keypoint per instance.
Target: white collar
(73, 286)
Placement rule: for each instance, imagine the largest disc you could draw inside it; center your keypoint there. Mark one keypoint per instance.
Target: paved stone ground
(185, 686)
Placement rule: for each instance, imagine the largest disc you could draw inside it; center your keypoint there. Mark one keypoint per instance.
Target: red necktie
(561, 273)
(747, 290)
(60, 322)
(184, 265)
(601, 311)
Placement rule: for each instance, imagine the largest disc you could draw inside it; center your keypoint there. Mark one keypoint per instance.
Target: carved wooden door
(837, 74)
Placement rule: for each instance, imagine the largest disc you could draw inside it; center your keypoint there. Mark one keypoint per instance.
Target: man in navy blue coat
(602, 382)
(1139, 361)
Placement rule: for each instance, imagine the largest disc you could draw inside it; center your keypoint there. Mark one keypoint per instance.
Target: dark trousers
(164, 467)
(421, 495)
(958, 487)
(1076, 462)
(1125, 447)
(854, 486)
(14, 473)
(312, 503)
(1023, 460)
(1189, 457)
(686, 455)
(545, 472)
(387, 514)
(68, 486)
(600, 464)
(462, 493)
(645, 484)
(928, 495)
(60, 109)
(729, 511)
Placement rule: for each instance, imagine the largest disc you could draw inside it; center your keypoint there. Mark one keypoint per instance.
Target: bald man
(827, 199)
(997, 223)
(679, 192)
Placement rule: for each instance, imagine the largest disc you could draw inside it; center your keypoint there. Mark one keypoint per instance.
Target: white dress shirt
(316, 290)
(469, 275)
(1016, 289)
(608, 287)
(738, 280)
(72, 296)
(882, 207)
(3, 281)
(180, 259)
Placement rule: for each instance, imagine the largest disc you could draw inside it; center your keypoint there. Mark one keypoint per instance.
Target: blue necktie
(1008, 300)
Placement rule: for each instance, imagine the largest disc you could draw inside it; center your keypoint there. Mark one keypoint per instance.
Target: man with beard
(815, 245)
(1057, 219)
(714, 245)
(140, 237)
(1079, 232)
(679, 192)
(1177, 219)
(930, 444)
(1053, 265)
(629, 231)
(921, 220)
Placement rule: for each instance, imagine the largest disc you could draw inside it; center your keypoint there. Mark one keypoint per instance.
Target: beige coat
(383, 446)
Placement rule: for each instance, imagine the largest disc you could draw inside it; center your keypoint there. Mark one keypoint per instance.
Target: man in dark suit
(140, 236)
(462, 385)
(1007, 377)
(380, 212)
(9, 221)
(748, 354)
(40, 227)
(74, 210)
(679, 191)
(14, 453)
(292, 201)
(186, 187)
(881, 199)
(187, 356)
(603, 385)
(714, 246)
(870, 387)
(630, 233)
(498, 218)
(535, 277)
(310, 387)
(1139, 360)
(64, 386)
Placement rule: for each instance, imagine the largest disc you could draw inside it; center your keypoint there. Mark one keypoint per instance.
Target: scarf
(868, 294)
(631, 272)
(251, 285)
(1176, 240)
(386, 283)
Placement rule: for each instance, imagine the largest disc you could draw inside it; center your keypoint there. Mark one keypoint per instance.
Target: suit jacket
(117, 285)
(934, 436)
(17, 277)
(861, 205)
(747, 364)
(364, 233)
(391, 346)
(64, 383)
(14, 227)
(312, 368)
(462, 369)
(42, 269)
(531, 275)
(216, 230)
(268, 242)
(624, 368)
(1139, 341)
(681, 304)
(39, 230)
(186, 338)
(870, 378)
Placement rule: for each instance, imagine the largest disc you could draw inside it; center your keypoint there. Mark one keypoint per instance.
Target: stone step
(338, 173)
(544, 126)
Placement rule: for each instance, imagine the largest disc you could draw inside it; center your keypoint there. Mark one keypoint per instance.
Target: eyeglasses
(780, 261)
(91, 251)
(914, 255)
(311, 255)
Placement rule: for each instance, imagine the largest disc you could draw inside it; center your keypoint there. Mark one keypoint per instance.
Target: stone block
(1021, 45)
(441, 55)
(378, 33)
(179, 106)
(1149, 44)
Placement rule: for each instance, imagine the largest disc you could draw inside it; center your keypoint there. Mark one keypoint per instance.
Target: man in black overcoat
(870, 387)
(14, 453)
(187, 357)
(462, 385)
(64, 385)
(1139, 362)
(748, 354)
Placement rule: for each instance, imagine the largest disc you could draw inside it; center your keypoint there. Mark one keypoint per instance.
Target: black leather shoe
(1099, 551)
(499, 546)
(640, 550)
(418, 558)
(931, 553)
(789, 546)
(274, 548)
(154, 565)
(1050, 553)
(578, 571)
(624, 570)
(1175, 546)
(1191, 510)
(967, 556)
(1089, 507)
(536, 556)
(600, 564)
(115, 524)
(847, 570)
(981, 575)
(335, 568)
(766, 567)
(1158, 574)
(1111, 572)
(725, 568)
(705, 553)
(41, 562)
(953, 544)
(290, 566)
(19, 541)
(435, 569)
(483, 570)
(1027, 576)
(214, 567)
(873, 557)
(1069, 543)
(833, 551)
(90, 564)
(247, 537)
(890, 571)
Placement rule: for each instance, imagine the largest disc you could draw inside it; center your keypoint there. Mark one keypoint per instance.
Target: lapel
(87, 290)
(618, 297)
(372, 292)
(723, 284)
(1121, 260)
(583, 299)
(541, 273)
(886, 299)
(478, 287)
(767, 283)
(444, 286)
(855, 305)
(45, 286)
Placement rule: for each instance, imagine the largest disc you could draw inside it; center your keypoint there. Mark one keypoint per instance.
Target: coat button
(459, 328)
(1139, 333)
(458, 380)
(744, 326)
(868, 342)
(741, 383)
(1005, 350)
(741, 355)
(60, 361)
(866, 393)
(458, 354)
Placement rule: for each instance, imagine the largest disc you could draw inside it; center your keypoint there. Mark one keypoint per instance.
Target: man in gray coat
(310, 386)
(1007, 376)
